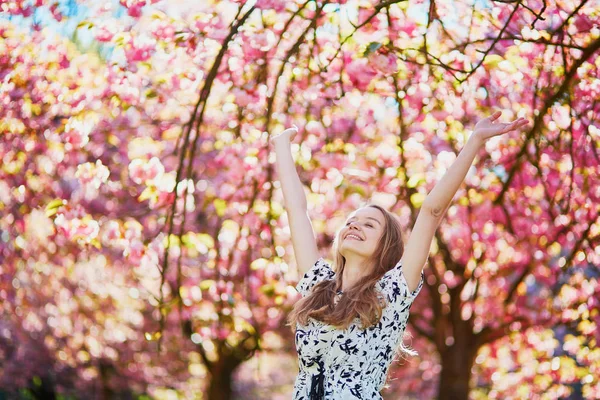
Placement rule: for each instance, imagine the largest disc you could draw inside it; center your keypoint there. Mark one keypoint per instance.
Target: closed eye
(370, 225)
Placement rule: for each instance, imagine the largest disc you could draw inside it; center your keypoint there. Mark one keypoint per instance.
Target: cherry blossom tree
(143, 237)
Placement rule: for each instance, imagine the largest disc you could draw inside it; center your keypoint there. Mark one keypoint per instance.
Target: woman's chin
(349, 251)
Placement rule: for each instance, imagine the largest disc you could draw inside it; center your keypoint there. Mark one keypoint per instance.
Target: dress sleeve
(398, 286)
(320, 271)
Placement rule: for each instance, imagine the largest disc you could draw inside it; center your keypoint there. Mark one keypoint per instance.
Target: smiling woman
(365, 226)
(352, 315)
(366, 247)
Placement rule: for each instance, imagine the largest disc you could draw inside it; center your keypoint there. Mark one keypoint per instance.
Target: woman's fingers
(291, 132)
(495, 115)
(515, 124)
(520, 122)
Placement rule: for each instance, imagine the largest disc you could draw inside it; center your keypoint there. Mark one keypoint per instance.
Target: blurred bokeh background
(144, 247)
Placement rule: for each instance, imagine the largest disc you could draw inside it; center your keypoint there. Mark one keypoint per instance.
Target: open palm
(489, 127)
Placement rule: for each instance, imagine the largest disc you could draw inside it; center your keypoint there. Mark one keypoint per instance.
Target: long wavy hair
(362, 300)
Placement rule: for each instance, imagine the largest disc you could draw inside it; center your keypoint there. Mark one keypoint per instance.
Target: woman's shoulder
(393, 283)
(320, 271)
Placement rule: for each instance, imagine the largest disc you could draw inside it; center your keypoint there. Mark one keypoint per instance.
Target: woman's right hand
(290, 133)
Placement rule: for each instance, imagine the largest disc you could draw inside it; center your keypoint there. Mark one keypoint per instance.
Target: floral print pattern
(351, 363)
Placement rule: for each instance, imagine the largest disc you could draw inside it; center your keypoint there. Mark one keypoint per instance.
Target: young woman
(352, 315)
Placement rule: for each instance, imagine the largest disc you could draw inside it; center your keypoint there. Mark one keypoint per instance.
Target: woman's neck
(355, 268)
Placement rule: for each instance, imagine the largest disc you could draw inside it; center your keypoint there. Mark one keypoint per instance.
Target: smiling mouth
(354, 237)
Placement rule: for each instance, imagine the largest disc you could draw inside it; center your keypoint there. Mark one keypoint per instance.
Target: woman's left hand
(487, 128)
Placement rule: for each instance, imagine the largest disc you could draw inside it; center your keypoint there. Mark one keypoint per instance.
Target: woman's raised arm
(437, 202)
(303, 236)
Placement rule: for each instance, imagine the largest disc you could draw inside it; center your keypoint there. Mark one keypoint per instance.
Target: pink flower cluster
(275, 5)
(76, 227)
(134, 7)
(384, 62)
(243, 98)
(360, 73)
(77, 133)
(92, 174)
(164, 31)
(104, 34)
(142, 171)
(260, 42)
(139, 50)
(129, 238)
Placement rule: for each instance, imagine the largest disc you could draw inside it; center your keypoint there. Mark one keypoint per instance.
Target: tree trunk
(221, 371)
(43, 389)
(219, 386)
(455, 377)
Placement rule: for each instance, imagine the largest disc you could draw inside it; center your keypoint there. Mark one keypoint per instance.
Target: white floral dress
(351, 363)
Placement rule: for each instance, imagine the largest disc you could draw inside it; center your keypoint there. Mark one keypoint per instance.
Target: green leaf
(206, 239)
(417, 199)
(351, 189)
(492, 60)
(119, 39)
(149, 193)
(415, 180)
(206, 284)
(268, 289)
(372, 48)
(85, 24)
(220, 206)
(53, 206)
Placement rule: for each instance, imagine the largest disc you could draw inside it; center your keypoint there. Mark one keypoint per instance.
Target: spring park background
(144, 246)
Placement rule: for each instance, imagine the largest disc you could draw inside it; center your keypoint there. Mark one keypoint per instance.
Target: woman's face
(362, 232)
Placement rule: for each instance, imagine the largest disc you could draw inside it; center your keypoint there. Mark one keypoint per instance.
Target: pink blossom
(84, 229)
(202, 22)
(164, 31)
(134, 251)
(92, 174)
(87, 229)
(218, 34)
(134, 7)
(385, 63)
(342, 126)
(77, 133)
(561, 116)
(242, 97)
(360, 73)
(27, 11)
(263, 41)
(111, 231)
(142, 171)
(56, 12)
(408, 26)
(163, 198)
(222, 333)
(38, 225)
(135, 10)
(276, 5)
(103, 34)
(139, 51)
(583, 22)
(133, 230)
(149, 260)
